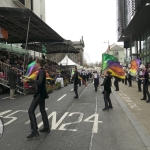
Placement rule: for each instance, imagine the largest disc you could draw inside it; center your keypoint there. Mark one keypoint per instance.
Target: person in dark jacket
(12, 78)
(107, 90)
(145, 79)
(76, 82)
(39, 99)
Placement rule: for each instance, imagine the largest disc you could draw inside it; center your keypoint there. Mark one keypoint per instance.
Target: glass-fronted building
(133, 28)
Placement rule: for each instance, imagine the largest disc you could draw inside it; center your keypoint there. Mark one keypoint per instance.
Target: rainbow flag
(111, 63)
(31, 69)
(32, 72)
(106, 58)
(135, 63)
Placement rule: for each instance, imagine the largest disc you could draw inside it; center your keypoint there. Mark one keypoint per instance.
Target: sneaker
(12, 98)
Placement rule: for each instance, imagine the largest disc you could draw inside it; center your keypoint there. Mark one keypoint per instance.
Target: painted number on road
(55, 124)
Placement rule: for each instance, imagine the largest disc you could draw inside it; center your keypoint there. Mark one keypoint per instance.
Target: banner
(3, 34)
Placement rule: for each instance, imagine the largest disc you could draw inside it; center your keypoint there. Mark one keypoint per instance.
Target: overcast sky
(95, 20)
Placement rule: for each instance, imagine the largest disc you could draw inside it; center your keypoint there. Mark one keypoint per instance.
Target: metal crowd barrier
(4, 80)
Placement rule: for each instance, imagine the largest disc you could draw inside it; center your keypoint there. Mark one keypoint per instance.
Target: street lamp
(108, 44)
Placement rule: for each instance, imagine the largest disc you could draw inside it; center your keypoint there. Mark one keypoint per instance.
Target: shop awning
(15, 21)
(138, 24)
(53, 47)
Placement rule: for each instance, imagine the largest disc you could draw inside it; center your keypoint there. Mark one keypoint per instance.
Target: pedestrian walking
(39, 99)
(107, 90)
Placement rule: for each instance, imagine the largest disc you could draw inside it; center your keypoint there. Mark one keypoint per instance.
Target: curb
(144, 136)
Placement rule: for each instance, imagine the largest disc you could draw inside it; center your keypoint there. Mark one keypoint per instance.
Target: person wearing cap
(145, 79)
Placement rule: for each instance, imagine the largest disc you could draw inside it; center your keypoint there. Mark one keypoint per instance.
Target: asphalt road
(77, 124)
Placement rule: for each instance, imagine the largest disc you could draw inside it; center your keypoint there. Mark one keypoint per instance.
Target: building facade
(133, 28)
(119, 52)
(75, 57)
(37, 6)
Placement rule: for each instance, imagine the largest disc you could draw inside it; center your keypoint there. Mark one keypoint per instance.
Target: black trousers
(95, 83)
(125, 80)
(41, 102)
(116, 84)
(130, 80)
(122, 80)
(139, 85)
(84, 78)
(79, 81)
(145, 91)
(107, 99)
(76, 90)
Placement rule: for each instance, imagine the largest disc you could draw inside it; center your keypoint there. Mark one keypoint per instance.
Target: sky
(95, 20)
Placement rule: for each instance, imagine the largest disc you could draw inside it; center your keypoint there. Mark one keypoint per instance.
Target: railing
(4, 80)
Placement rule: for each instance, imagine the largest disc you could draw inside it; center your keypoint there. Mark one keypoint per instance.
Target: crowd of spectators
(17, 60)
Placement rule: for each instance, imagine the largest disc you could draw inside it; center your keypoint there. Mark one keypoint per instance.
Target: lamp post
(108, 45)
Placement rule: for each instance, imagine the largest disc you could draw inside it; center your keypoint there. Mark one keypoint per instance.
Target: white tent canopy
(67, 62)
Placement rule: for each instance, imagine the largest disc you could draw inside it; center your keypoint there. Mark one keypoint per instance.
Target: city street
(76, 124)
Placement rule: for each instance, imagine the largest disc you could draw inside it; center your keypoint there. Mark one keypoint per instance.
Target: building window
(22, 1)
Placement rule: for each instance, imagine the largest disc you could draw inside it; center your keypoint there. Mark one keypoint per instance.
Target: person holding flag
(107, 90)
(39, 99)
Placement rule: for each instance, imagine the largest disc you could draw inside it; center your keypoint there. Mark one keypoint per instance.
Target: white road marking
(129, 101)
(13, 118)
(54, 123)
(9, 97)
(6, 97)
(71, 90)
(61, 97)
(62, 127)
(95, 125)
(36, 117)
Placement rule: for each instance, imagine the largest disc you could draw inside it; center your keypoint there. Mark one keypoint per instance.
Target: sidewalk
(139, 108)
